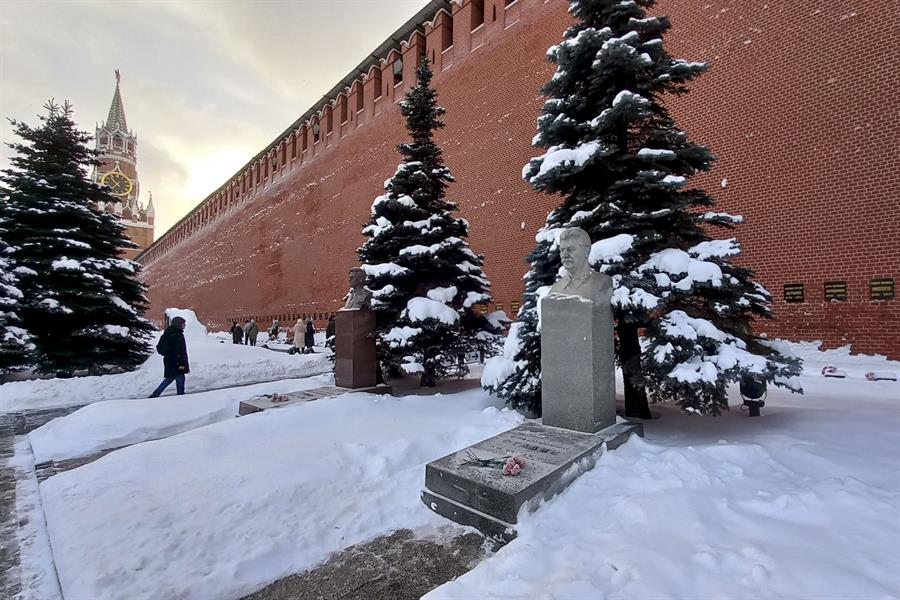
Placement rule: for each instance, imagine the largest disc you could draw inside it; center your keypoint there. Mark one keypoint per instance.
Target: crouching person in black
(175, 359)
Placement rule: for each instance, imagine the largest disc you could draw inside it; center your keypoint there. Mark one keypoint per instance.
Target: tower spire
(116, 118)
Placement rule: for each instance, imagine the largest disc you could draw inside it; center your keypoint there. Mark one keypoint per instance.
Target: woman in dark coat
(309, 338)
(175, 359)
(237, 334)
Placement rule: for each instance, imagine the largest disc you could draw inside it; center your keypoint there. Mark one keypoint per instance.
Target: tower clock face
(119, 184)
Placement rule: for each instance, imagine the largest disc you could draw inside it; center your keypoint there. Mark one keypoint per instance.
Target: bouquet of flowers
(510, 465)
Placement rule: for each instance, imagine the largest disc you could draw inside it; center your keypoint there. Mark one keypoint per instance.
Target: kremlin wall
(798, 106)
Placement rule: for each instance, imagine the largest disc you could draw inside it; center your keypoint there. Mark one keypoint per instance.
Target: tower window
(329, 120)
(293, 146)
(317, 131)
(343, 104)
(304, 143)
(477, 14)
(447, 34)
(377, 78)
(398, 71)
(360, 100)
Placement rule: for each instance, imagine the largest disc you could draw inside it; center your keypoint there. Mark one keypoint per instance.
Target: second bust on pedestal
(359, 296)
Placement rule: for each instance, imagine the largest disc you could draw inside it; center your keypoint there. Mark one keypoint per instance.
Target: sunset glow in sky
(206, 85)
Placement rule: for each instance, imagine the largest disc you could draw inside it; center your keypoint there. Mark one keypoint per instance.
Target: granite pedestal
(354, 348)
(578, 386)
(484, 498)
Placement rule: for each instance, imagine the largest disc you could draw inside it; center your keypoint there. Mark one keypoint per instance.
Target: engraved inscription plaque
(836, 290)
(793, 292)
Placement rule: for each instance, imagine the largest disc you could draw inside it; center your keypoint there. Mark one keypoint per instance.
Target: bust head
(357, 278)
(359, 296)
(574, 249)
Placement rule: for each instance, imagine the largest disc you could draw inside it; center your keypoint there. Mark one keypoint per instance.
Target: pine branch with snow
(426, 282)
(617, 158)
(82, 302)
(16, 347)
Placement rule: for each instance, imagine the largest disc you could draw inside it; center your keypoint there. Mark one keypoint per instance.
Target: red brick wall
(798, 106)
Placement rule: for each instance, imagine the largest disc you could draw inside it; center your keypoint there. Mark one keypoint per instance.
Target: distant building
(118, 170)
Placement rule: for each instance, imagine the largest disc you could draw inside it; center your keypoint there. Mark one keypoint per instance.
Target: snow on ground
(220, 511)
(801, 502)
(117, 423)
(36, 572)
(214, 365)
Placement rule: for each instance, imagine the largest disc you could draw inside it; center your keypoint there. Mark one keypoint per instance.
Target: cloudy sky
(205, 84)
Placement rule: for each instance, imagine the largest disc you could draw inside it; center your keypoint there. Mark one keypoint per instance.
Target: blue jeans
(179, 385)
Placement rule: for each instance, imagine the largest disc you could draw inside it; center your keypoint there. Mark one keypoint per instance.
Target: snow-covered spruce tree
(617, 158)
(82, 302)
(426, 283)
(16, 348)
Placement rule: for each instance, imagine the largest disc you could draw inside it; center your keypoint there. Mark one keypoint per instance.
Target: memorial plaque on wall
(835, 290)
(793, 292)
(881, 289)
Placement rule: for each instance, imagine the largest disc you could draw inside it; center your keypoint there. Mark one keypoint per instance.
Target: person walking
(246, 329)
(299, 331)
(252, 332)
(310, 337)
(237, 333)
(175, 358)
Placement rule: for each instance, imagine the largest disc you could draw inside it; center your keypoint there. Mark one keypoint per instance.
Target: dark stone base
(482, 497)
(355, 363)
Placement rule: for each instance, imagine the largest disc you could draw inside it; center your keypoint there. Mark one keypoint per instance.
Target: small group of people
(304, 334)
(245, 335)
(173, 347)
(304, 337)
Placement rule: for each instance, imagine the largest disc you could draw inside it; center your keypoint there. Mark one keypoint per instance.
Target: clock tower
(118, 171)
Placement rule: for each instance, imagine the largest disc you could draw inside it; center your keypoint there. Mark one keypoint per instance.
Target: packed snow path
(13, 425)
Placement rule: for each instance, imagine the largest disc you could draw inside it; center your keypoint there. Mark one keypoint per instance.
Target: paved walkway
(11, 425)
(401, 566)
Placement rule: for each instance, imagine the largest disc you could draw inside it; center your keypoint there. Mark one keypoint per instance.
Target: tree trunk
(428, 379)
(636, 405)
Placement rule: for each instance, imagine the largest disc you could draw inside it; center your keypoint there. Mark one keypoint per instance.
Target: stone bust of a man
(579, 279)
(359, 296)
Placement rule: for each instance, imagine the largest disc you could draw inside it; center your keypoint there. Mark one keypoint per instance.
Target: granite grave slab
(486, 499)
(265, 402)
